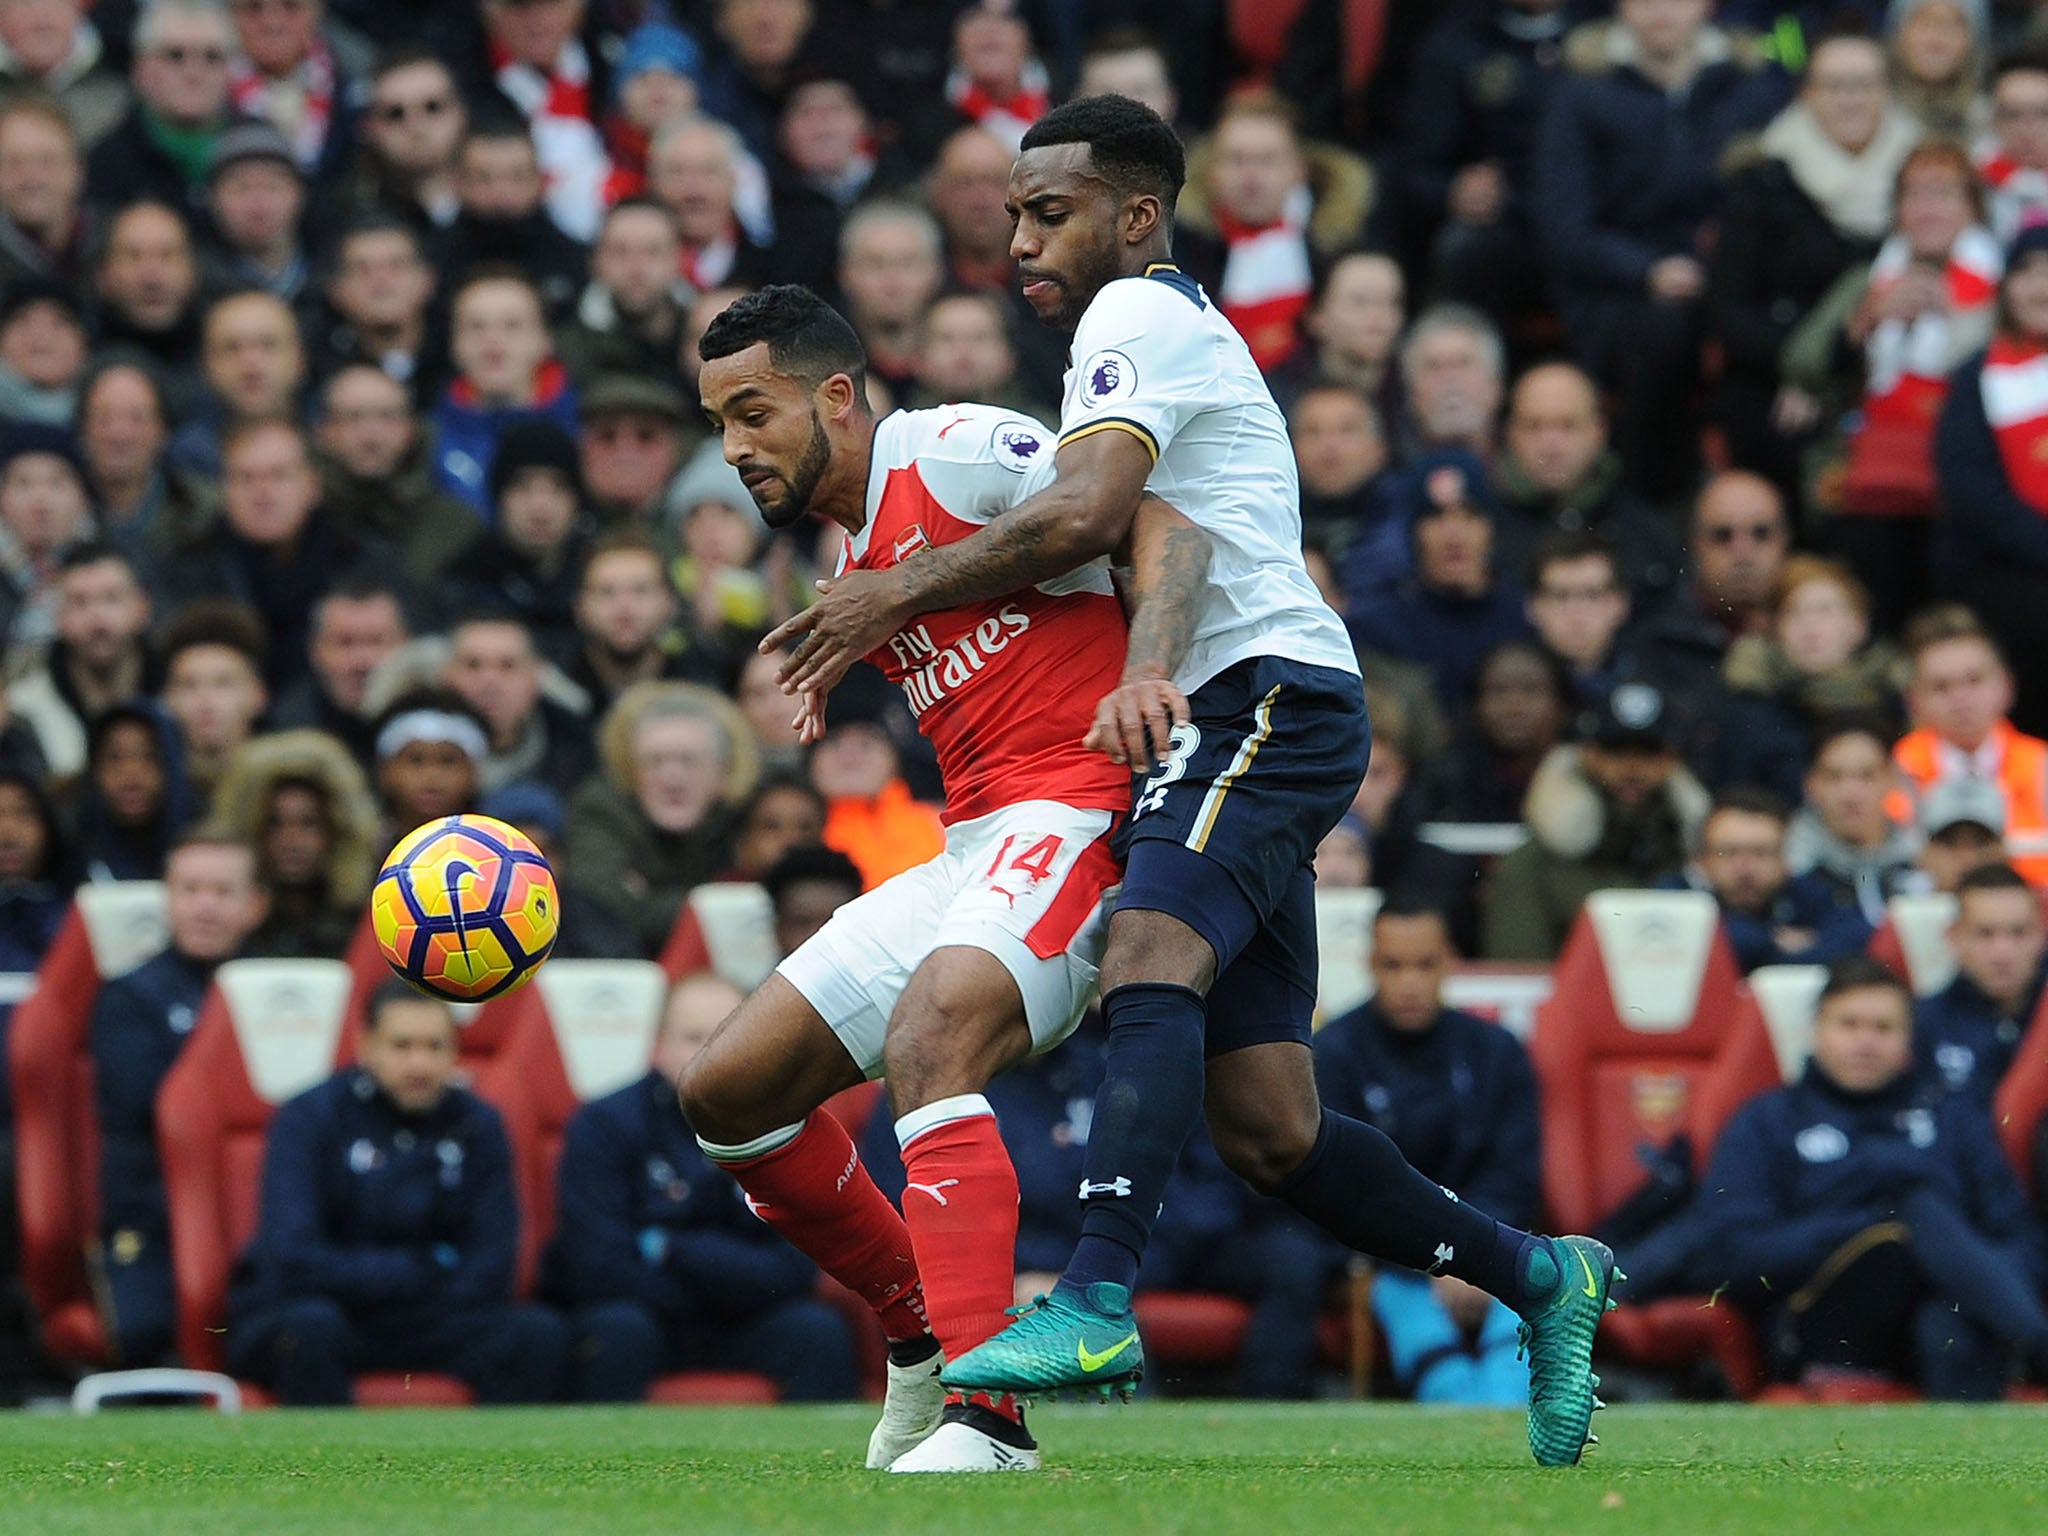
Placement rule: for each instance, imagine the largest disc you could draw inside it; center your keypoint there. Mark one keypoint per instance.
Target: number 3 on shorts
(1186, 737)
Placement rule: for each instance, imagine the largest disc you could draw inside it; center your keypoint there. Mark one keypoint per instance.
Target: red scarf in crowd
(1267, 280)
(572, 157)
(2016, 405)
(707, 266)
(1907, 362)
(1004, 116)
(2018, 193)
(550, 383)
(251, 91)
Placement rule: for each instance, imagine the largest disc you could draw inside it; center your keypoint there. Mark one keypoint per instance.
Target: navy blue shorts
(1223, 837)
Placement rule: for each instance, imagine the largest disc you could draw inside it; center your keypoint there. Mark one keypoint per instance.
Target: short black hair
(807, 338)
(1749, 800)
(1400, 905)
(394, 991)
(810, 861)
(94, 552)
(221, 622)
(2029, 57)
(1830, 729)
(1852, 973)
(1129, 144)
(1563, 544)
(1992, 877)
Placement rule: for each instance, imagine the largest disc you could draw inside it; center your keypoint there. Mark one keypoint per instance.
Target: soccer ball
(465, 908)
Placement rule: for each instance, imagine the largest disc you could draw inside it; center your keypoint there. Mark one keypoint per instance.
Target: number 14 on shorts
(1034, 860)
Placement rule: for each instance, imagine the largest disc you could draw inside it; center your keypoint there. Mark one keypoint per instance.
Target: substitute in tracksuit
(140, 1024)
(389, 1230)
(1457, 1096)
(1868, 1219)
(1967, 1034)
(665, 1266)
(1214, 1235)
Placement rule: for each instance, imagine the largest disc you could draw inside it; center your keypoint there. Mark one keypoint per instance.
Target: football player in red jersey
(959, 968)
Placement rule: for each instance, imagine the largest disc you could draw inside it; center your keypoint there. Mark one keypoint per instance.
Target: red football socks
(960, 1204)
(815, 1192)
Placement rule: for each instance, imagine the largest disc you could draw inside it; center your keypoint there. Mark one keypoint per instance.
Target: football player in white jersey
(1251, 748)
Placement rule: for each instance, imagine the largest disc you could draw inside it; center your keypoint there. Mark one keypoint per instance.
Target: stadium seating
(110, 929)
(1650, 1033)
(1787, 995)
(728, 927)
(1344, 921)
(1913, 943)
(579, 1030)
(2022, 1099)
(583, 1029)
(268, 1029)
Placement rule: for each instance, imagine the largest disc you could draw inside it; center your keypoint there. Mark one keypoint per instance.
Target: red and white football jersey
(1004, 689)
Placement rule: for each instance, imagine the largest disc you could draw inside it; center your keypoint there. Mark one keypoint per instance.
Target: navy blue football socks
(1356, 1186)
(1150, 1099)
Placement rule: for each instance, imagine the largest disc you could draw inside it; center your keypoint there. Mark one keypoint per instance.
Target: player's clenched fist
(1134, 724)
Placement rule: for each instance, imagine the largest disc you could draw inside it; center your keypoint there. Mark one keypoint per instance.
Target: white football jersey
(1155, 358)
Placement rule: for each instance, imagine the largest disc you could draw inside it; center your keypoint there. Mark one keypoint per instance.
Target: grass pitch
(1207, 1469)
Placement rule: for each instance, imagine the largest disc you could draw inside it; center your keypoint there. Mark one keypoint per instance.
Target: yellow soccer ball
(465, 908)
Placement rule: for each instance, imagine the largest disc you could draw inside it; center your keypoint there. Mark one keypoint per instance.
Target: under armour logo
(933, 1189)
(1119, 1187)
(1444, 1253)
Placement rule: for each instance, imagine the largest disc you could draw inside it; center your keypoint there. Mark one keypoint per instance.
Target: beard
(802, 480)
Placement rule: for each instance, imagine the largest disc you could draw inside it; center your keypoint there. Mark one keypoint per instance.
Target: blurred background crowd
(1668, 383)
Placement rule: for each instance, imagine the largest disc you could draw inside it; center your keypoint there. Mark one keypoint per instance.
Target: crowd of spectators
(1669, 389)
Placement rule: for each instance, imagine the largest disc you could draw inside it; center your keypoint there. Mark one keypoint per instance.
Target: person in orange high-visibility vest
(1959, 696)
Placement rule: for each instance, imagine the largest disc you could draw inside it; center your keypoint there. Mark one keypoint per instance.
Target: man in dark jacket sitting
(1868, 1219)
(1967, 1034)
(657, 1251)
(1458, 1097)
(389, 1230)
(1771, 918)
(140, 1024)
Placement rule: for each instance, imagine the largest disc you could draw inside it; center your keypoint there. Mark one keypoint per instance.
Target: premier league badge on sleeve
(1016, 445)
(1107, 377)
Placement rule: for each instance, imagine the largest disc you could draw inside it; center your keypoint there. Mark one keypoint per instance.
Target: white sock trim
(747, 1151)
(962, 1106)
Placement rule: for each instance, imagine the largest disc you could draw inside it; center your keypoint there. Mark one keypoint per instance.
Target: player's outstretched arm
(1169, 567)
(1085, 513)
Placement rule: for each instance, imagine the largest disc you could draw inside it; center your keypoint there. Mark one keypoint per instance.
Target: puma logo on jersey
(933, 1189)
(932, 672)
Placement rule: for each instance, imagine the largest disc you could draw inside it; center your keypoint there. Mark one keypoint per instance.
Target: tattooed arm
(1088, 511)
(1169, 569)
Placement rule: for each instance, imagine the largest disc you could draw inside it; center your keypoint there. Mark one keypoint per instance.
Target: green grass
(1211, 1468)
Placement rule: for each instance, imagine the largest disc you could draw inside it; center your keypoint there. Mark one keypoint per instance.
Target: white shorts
(1028, 884)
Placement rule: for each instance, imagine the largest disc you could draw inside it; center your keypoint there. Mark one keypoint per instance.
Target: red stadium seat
(1913, 942)
(728, 927)
(268, 1029)
(1787, 994)
(2022, 1099)
(582, 1029)
(110, 929)
(1191, 1327)
(1650, 1033)
(579, 1030)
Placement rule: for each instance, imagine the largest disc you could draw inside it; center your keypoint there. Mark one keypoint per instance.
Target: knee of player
(928, 1061)
(1154, 947)
(715, 1098)
(1263, 1148)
